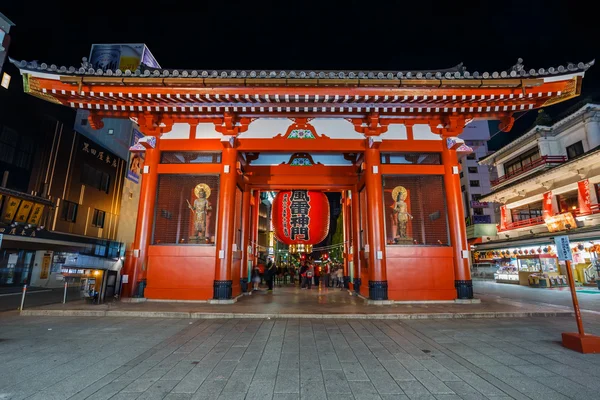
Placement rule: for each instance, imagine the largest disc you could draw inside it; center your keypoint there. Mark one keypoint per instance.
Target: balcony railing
(522, 223)
(544, 160)
(594, 209)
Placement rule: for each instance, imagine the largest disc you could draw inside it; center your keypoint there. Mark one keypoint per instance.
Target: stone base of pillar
(357, 282)
(244, 284)
(378, 290)
(464, 289)
(222, 290)
(346, 282)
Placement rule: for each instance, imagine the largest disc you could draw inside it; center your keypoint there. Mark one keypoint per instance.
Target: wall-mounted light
(111, 131)
(507, 236)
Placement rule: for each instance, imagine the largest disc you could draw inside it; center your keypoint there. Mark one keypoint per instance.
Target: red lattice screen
(175, 222)
(425, 202)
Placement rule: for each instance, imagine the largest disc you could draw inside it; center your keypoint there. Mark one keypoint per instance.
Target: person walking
(340, 277)
(310, 272)
(326, 275)
(255, 278)
(270, 275)
(303, 269)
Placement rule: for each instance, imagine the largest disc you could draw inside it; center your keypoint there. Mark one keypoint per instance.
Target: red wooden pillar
(456, 221)
(222, 287)
(245, 239)
(254, 223)
(356, 240)
(378, 287)
(346, 219)
(137, 261)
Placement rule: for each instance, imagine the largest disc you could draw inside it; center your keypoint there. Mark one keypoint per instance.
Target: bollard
(23, 297)
(65, 295)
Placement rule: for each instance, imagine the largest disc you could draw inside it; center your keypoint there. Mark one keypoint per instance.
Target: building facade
(60, 199)
(388, 141)
(548, 184)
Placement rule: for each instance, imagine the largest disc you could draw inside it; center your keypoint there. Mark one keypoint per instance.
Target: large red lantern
(300, 216)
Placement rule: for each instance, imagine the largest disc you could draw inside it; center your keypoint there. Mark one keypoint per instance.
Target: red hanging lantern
(300, 216)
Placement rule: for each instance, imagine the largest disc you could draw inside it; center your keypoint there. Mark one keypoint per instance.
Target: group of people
(328, 275)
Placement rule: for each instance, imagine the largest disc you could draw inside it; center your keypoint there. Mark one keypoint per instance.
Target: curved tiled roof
(457, 72)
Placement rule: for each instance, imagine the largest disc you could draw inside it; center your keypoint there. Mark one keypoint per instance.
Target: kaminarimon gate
(388, 141)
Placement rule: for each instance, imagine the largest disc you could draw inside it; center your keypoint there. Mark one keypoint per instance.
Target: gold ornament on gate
(201, 209)
(204, 187)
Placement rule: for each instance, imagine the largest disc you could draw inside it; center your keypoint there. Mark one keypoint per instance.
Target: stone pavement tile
(501, 371)
(354, 371)
(239, 381)
(107, 391)
(266, 371)
(289, 361)
(409, 362)
(364, 390)
(210, 389)
(249, 361)
(448, 397)
(335, 382)
(329, 361)
(139, 385)
(529, 386)
(260, 390)
(432, 383)
(192, 381)
(231, 396)
(569, 388)
(394, 397)
(445, 375)
(158, 390)
(179, 371)
(397, 371)
(510, 360)
(125, 396)
(87, 391)
(286, 396)
(533, 371)
(413, 388)
(480, 384)
(223, 370)
(178, 396)
(288, 381)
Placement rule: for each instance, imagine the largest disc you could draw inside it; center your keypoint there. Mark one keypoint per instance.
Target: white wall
(52, 281)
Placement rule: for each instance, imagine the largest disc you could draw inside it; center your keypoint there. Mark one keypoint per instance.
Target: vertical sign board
(563, 248)
(136, 160)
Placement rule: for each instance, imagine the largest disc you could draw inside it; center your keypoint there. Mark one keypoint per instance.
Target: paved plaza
(128, 358)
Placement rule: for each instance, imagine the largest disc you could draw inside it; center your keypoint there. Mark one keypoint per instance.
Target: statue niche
(201, 210)
(401, 217)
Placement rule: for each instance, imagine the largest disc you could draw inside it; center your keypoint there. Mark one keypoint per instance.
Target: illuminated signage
(559, 222)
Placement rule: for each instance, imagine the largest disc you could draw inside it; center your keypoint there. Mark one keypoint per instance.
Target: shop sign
(482, 219)
(99, 154)
(46, 261)
(18, 231)
(583, 196)
(136, 158)
(559, 222)
(478, 204)
(563, 248)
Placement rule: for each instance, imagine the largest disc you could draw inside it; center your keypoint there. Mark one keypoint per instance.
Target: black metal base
(464, 289)
(346, 282)
(222, 290)
(378, 290)
(357, 282)
(244, 284)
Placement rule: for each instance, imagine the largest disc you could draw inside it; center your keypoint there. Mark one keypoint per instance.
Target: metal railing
(594, 209)
(522, 223)
(543, 160)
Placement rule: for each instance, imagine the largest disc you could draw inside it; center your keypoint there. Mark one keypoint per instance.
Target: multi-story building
(60, 199)
(475, 182)
(548, 183)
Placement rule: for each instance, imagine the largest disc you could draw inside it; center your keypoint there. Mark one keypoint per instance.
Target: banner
(136, 160)
(121, 56)
(547, 208)
(583, 197)
(560, 222)
(503, 220)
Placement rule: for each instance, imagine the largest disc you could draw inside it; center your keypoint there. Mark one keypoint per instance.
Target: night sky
(368, 35)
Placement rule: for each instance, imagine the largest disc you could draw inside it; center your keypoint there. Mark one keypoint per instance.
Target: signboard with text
(563, 248)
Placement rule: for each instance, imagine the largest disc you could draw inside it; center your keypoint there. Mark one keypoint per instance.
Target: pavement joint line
(209, 315)
(28, 293)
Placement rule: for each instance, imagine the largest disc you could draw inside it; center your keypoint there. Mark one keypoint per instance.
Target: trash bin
(141, 287)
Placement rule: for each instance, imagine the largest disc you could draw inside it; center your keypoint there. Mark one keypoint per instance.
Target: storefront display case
(536, 269)
(508, 271)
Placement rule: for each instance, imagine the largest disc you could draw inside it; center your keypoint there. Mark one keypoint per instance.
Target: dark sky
(369, 35)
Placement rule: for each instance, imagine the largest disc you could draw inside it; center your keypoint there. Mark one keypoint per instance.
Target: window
(474, 183)
(527, 211)
(422, 198)
(471, 156)
(463, 188)
(461, 175)
(567, 201)
(411, 158)
(521, 161)
(69, 211)
(16, 149)
(475, 196)
(98, 218)
(574, 150)
(95, 178)
(186, 209)
(189, 157)
(472, 170)
(478, 211)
